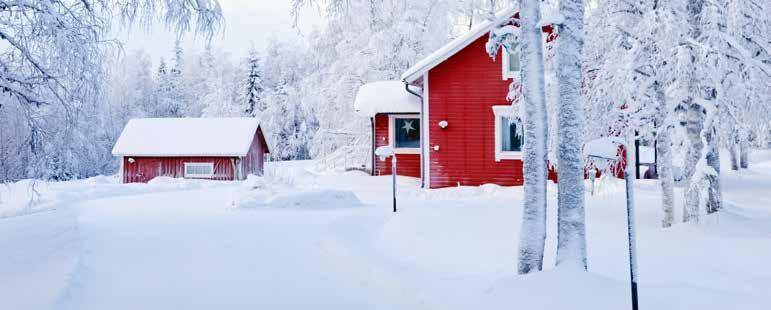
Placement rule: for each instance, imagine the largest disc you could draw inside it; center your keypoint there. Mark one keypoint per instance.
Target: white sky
(246, 21)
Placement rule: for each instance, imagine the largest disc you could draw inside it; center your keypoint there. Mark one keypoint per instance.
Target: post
(636, 156)
(630, 224)
(384, 152)
(393, 179)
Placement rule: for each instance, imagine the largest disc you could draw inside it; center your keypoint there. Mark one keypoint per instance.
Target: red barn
(197, 148)
(448, 119)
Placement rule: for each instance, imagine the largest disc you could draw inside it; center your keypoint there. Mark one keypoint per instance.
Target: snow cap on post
(385, 97)
(384, 152)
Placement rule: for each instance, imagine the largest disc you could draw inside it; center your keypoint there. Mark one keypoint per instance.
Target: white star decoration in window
(408, 126)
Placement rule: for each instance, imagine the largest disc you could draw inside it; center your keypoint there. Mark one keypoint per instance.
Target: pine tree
(252, 101)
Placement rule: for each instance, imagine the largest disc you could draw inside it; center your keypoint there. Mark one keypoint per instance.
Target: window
(511, 62)
(404, 132)
(509, 137)
(199, 170)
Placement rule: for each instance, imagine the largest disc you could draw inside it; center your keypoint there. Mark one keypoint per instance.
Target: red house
(448, 119)
(197, 148)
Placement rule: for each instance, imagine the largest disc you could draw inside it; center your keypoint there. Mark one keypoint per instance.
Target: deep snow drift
(301, 240)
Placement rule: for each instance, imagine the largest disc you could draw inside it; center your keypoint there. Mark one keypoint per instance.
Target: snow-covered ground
(301, 240)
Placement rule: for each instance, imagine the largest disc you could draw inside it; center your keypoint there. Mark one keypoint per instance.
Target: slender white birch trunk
(533, 234)
(694, 123)
(744, 150)
(664, 158)
(571, 238)
(715, 194)
(733, 153)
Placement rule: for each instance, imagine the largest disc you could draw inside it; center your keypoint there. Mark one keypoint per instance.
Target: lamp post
(629, 181)
(384, 152)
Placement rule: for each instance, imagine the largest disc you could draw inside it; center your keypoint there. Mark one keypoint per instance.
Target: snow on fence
(355, 154)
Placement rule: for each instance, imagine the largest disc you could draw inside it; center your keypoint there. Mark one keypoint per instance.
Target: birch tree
(533, 235)
(571, 231)
(524, 35)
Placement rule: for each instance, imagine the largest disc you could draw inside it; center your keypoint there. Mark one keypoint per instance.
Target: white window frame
(500, 111)
(198, 175)
(392, 134)
(506, 73)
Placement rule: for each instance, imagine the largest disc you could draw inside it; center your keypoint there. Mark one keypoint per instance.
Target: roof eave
(412, 75)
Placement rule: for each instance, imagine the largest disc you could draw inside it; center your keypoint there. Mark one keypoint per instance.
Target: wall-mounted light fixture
(443, 124)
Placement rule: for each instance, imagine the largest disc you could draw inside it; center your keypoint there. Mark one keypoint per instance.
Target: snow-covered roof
(647, 155)
(385, 97)
(605, 147)
(415, 72)
(186, 137)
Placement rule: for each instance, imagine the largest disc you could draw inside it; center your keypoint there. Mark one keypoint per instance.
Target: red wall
(406, 164)
(253, 162)
(144, 169)
(462, 91)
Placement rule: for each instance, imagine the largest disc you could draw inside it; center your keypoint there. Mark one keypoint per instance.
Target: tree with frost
(627, 93)
(174, 96)
(472, 12)
(571, 231)
(251, 96)
(747, 29)
(527, 39)
(53, 59)
(364, 41)
(707, 55)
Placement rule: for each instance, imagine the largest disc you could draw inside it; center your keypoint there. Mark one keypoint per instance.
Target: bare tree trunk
(664, 158)
(744, 150)
(732, 152)
(571, 236)
(714, 198)
(694, 123)
(533, 234)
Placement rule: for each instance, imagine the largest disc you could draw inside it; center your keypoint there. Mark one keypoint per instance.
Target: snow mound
(312, 200)
(253, 182)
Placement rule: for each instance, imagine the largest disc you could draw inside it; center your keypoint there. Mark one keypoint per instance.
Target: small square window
(511, 140)
(511, 65)
(404, 132)
(509, 137)
(407, 132)
(199, 170)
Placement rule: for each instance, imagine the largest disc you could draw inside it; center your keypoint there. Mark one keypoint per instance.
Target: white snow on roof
(415, 72)
(606, 147)
(647, 155)
(385, 97)
(186, 137)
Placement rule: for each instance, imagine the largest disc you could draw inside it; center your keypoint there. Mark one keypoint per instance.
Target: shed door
(143, 169)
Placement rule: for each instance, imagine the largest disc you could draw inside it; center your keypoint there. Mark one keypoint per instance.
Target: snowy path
(195, 254)
(178, 245)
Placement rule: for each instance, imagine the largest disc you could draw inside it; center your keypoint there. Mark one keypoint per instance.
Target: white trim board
(426, 138)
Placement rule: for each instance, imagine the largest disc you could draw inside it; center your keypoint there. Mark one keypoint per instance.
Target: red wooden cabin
(198, 148)
(455, 99)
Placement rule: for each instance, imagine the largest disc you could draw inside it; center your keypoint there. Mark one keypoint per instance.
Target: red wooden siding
(144, 169)
(253, 162)
(406, 164)
(462, 91)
